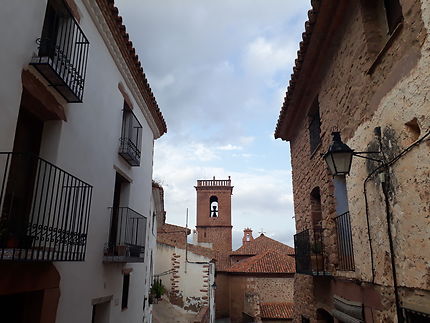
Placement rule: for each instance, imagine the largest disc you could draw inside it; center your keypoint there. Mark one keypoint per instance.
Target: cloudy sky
(219, 70)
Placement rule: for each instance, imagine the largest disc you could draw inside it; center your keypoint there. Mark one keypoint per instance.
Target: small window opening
(213, 207)
(413, 129)
(125, 289)
(316, 211)
(393, 12)
(248, 238)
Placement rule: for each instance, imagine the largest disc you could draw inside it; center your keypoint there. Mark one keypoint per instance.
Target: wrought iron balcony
(44, 210)
(309, 249)
(344, 242)
(127, 236)
(129, 151)
(131, 138)
(62, 52)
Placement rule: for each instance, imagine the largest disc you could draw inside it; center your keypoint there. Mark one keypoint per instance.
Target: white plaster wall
(20, 29)
(191, 279)
(87, 147)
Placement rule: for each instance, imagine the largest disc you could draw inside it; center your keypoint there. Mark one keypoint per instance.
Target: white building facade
(77, 130)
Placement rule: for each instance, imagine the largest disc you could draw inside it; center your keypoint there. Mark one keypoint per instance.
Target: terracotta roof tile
(261, 244)
(171, 228)
(270, 261)
(118, 30)
(199, 250)
(276, 310)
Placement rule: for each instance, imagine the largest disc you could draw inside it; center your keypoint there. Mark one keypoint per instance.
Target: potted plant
(121, 250)
(157, 290)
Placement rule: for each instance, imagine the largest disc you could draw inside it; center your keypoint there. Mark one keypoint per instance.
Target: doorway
(101, 313)
(21, 177)
(21, 307)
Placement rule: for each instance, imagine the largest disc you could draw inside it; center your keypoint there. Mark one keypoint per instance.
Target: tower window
(213, 201)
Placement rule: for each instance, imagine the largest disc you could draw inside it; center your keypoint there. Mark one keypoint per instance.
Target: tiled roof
(261, 244)
(276, 310)
(301, 53)
(268, 262)
(171, 228)
(118, 30)
(199, 250)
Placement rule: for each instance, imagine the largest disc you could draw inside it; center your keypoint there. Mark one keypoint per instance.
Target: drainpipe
(385, 182)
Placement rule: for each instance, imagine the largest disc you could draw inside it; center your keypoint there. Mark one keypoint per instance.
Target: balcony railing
(44, 210)
(62, 52)
(214, 182)
(344, 242)
(131, 138)
(309, 249)
(127, 236)
(129, 151)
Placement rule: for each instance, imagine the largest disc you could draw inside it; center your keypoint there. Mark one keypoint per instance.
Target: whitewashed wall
(87, 147)
(191, 281)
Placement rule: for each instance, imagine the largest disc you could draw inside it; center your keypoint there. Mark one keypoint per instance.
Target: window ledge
(384, 49)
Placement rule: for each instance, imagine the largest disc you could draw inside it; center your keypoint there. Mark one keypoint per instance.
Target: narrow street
(164, 312)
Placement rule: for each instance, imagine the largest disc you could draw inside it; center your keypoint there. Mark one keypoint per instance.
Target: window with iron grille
(393, 12)
(63, 52)
(315, 126)
(131, 137)
(343, 225)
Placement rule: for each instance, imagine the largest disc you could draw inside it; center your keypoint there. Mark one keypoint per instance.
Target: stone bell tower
(214, 213)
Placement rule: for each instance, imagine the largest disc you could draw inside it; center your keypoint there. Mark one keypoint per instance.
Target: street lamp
(339, 156)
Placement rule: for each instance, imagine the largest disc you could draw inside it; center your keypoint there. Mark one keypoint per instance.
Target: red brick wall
(216, 230)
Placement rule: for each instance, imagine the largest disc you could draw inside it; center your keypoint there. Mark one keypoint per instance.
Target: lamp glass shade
(338, 157)
(339, 163)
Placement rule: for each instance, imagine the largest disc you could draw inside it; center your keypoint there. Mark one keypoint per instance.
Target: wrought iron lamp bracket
(361, 153)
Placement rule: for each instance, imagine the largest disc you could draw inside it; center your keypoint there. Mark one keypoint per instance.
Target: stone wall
(222, 295)
(368, 81)
(248, 291)
(275, 289)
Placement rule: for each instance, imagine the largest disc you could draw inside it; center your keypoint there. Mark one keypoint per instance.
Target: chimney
(247, 235)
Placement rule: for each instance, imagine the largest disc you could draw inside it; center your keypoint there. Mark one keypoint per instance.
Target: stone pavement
(164, 312)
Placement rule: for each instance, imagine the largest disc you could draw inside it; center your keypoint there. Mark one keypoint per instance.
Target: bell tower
(214, 213)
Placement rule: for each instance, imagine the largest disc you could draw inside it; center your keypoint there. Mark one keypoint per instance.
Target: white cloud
(267, 57)
(218, 70)
(246, 140)
(230, 147)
